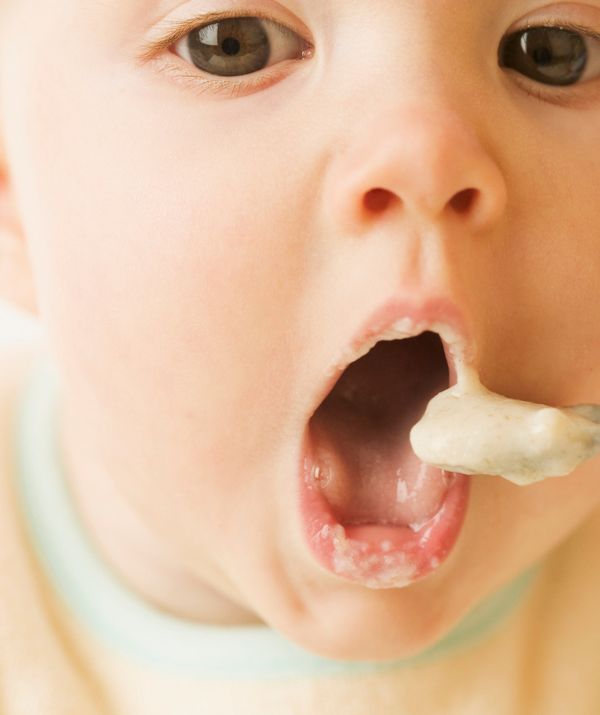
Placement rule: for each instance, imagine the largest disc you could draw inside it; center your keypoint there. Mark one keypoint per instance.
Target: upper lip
(403, 318)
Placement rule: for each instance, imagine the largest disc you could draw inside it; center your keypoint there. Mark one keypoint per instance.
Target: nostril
(464, 200)
(377, 200)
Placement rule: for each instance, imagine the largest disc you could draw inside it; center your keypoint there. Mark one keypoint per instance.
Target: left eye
(240, 45)
(549, 55)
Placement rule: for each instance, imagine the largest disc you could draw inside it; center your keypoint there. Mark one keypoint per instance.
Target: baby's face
(212, 228)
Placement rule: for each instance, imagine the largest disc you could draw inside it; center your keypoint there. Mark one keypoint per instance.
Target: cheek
(540, 337)
(556, 507)
(514, 526)
(156, 271)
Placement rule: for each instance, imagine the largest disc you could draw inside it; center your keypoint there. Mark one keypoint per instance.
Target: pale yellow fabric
(544, 661)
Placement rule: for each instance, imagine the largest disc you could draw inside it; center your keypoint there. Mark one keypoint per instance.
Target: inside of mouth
(362, 459)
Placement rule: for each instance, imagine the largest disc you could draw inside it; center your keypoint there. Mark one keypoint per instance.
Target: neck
(129, 547)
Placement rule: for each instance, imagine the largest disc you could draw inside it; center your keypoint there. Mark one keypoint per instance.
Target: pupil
(542, 55)
(230, 46)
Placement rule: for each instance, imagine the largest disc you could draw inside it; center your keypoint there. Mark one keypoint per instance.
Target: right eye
(240, 45)
(551, 55)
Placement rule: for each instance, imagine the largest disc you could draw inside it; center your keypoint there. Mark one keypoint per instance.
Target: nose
(424, 163)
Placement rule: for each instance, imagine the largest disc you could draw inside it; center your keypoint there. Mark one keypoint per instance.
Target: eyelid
(580, 96)
(561, 96)
(557, 23)
(215, 85)
(180, 28)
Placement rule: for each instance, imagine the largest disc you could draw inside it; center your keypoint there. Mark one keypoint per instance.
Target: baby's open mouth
(363, 461)
(373, 512)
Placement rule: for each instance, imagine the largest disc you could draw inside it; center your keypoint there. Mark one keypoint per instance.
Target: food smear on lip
(470, 430)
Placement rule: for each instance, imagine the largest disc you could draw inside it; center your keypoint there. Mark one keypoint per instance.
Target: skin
(193, 331)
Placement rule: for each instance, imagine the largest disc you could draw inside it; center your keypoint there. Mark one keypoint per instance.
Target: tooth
(405, 326)
(363, 351)
(446, 333)
(394, 335)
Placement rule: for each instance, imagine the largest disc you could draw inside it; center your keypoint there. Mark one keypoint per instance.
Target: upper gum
(406, 328)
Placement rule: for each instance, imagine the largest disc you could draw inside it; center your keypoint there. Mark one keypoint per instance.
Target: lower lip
(379, 556)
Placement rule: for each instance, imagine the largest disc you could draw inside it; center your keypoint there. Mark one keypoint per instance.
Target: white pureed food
(471, 430)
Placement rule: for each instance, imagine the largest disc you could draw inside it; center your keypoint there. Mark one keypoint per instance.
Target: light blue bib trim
(124, 621)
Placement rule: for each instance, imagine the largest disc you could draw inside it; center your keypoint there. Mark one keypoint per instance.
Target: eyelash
(201, 84)
(560, 96)
(234, 88)
(254, 82)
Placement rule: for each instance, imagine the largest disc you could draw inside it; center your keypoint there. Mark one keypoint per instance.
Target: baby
(218, 211)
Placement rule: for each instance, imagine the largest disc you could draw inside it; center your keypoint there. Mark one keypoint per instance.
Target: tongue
(367, 482)
(363, 461)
